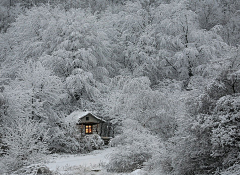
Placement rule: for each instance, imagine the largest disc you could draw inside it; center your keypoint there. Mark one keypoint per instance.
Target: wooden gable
(90, 119)
(83, 117)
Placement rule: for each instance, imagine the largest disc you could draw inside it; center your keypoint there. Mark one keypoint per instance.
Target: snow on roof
(76, 115)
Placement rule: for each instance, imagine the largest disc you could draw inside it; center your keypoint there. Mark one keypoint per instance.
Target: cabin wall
(96, 129)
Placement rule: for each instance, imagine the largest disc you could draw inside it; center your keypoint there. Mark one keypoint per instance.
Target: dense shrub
(129, 158)
(91, 142)
(233, 170)
(135, 147)
(62, 140)
(23, 143)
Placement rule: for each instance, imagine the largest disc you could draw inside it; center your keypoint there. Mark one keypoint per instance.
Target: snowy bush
(91, 142)
(160, 163)
(225, 132)
(34, 169)
(61, 140)
(135, 146)
(233, 170)
(24, 142)
(129, 158)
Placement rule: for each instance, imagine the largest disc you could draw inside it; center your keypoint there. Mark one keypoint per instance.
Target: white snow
(93, 160)
(76, 115)
(85, 164)
(138, 172)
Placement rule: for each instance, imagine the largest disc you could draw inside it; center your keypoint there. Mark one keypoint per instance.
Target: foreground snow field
(67, 163)
(92, 163)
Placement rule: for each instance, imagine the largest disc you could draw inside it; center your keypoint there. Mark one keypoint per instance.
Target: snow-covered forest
(165, 73)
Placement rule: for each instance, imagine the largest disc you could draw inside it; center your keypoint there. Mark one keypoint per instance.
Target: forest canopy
(165, 73)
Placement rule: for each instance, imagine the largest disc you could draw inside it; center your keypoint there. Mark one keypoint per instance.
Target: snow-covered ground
(83, 164)
(92, 161)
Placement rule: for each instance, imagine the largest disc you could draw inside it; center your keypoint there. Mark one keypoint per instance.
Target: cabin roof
(75, 116)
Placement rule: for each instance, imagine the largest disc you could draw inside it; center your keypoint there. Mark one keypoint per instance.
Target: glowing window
(88, 129)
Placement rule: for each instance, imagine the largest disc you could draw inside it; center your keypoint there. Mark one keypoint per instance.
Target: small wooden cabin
(87, 123)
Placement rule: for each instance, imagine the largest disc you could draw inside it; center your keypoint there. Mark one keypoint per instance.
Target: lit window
(88, 129)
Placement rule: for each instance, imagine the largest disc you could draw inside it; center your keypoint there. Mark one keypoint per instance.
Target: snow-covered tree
(163, 72)
(66, 42)
(124, 28)
(33, 92)
(136, 100)
(24, 143)
(175, 46)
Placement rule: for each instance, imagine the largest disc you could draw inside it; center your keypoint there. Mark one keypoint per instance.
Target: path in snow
(93, 160)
